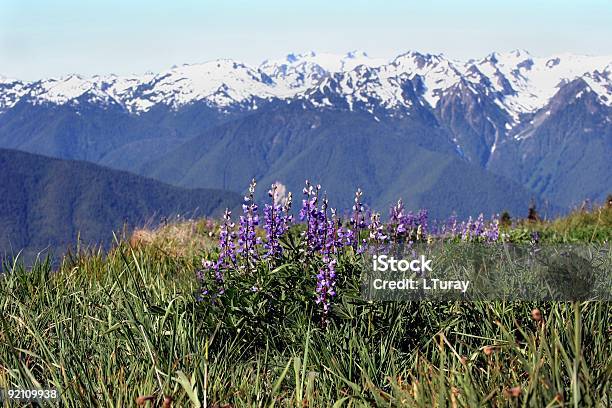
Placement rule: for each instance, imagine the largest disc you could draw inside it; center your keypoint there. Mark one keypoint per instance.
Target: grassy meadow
(130, 328)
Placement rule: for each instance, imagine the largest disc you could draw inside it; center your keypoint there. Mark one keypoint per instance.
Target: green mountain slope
(565, 153)
(47, 202)
(341, 151)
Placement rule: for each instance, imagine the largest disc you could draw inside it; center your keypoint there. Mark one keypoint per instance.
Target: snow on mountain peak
(519, 81)
(66, 89)
(437, 72)
(534, 80)
(600, 82)
(11, 91)
(298, 72)
(222, 82)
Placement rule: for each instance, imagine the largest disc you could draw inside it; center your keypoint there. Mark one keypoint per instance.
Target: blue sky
(46, 38)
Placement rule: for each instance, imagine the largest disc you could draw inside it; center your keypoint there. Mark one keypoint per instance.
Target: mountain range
(483, 135)
(49, 204)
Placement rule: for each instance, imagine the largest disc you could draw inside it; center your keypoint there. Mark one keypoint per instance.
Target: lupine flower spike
(247, 234)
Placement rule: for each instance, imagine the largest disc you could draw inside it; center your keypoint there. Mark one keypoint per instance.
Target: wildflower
(326, 284)
(276, 222)
(479, 226)
(491, 232)
(227, 246)
(396, 216)
(397, 227)
(213, 285)
(466, 230)
(414, 225)
(334, 239)
(247, 237)
(335, 235)
(358, 223)
(376, 229)
(316, 219)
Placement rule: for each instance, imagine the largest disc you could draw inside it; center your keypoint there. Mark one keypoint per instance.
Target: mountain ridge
(276, 78)
(47, 203)
(482, 107)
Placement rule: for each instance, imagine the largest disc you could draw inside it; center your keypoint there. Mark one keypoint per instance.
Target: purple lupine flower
(316, 219)
(411, 224)
(479, 230)
(227, 235)
(479, 227)
(326, 284)
(335, 236)
(276, 222)
(451, 226)
(335, 239)
(213, 286)
(319, 226)
(397, 227)
(308, 207)
(247, 235)
(227, 247)
(323, 234)
(357, 218)
(491, 233)
(357, 224)
(466, 229)
(376, 229)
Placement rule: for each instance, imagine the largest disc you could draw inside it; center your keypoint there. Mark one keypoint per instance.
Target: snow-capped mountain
(438, 73)
(220, 83)
(411, 78)
(298, 72)
(528, 82)
(516, 81)
(71, 89)
(528, 118)
(519, 82)
(11, 91)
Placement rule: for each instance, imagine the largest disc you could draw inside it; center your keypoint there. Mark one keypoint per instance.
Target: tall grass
(106, 330)
(582, 225)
